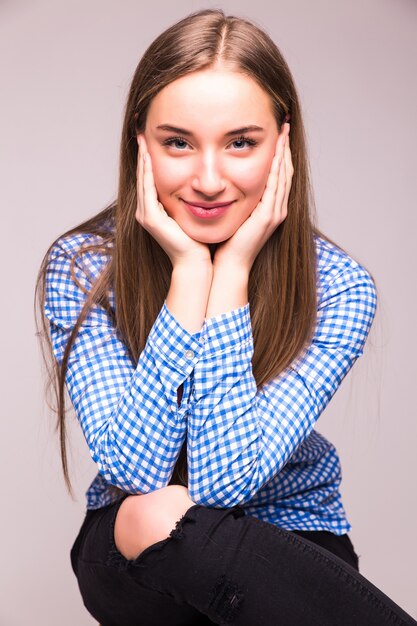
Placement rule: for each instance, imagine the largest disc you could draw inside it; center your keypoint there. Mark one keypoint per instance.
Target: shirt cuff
(225, 331)
(169, 340)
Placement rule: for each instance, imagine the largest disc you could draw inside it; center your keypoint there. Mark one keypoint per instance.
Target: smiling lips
(207, 210)
(208, 205)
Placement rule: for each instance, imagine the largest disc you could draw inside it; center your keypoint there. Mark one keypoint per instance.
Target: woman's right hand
(150, 213)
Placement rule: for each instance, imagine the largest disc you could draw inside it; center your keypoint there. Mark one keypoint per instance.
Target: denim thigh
(109, 592)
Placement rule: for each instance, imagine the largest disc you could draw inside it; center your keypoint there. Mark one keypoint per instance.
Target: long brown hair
(282, 281)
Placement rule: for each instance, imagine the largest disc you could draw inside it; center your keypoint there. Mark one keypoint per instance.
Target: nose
(207, 178)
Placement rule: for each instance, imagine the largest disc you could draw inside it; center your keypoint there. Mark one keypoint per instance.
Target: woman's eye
(177, 140)
(250, 142)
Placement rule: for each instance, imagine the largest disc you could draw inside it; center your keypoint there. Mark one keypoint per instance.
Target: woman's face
(206, 158)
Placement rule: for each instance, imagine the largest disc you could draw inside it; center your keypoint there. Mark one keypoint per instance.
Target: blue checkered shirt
(255, 448)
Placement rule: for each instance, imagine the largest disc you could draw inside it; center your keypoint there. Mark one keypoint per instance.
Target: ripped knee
(148, 518)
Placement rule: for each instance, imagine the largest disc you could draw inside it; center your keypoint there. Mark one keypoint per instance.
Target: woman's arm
(238, 438)
(128, 412)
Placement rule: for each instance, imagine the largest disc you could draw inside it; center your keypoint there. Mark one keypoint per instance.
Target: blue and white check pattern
(256, 449)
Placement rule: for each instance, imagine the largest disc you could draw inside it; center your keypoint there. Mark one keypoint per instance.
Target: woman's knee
(147, 518)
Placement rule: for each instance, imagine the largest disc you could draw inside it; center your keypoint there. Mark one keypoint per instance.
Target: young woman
(201, 324)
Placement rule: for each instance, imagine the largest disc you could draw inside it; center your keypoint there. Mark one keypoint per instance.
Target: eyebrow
(188, 133)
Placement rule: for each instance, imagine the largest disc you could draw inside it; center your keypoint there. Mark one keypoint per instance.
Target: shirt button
(189, 354)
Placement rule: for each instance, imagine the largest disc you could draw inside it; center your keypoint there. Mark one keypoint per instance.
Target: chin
(212, 238)
(210, 233)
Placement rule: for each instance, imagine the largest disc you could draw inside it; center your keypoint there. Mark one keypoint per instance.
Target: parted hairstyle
(282, 282)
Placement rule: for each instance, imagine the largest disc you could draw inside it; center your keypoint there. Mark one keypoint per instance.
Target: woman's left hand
(243, 247)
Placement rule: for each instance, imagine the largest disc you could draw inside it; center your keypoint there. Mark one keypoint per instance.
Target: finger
(288, 157)
(289, 170)
(149, 191)
(285, 184)
(281, 188)
(268, 197)
(139, 181)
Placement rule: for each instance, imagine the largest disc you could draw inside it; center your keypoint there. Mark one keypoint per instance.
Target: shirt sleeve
(239, 438)
(128, 412)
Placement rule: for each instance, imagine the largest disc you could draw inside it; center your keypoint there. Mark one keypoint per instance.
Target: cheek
(166, 174)
(252, 175)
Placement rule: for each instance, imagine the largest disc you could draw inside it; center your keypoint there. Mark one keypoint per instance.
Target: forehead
(222, 97)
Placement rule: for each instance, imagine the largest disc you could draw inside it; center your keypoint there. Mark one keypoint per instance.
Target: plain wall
(66, 66)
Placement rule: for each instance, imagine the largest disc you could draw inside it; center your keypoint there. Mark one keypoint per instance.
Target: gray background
(65, 69)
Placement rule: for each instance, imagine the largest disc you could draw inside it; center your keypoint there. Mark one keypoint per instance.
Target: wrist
(195, 270)
(188, 294)
(229, 262)
(191, 261)
(229, 289)
(232, 269)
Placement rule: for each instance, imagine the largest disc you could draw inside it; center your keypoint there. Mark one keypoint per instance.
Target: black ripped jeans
(221, 566)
